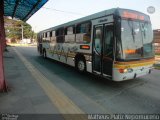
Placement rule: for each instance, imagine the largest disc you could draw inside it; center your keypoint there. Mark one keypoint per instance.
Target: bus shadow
(86, 82)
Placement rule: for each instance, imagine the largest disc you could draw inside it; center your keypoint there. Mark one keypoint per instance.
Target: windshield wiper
(132, 31)
(143, 27)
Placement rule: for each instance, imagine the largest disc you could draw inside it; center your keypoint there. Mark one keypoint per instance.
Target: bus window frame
(50, 34)
(85, 22)
(60, 32)
(79, 31)
(45, 34)
(73, 31)
(66, 33)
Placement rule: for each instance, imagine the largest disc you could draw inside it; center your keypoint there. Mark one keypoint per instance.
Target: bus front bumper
(131, 73)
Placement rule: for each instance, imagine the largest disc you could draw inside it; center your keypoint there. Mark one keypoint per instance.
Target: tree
(14, 29)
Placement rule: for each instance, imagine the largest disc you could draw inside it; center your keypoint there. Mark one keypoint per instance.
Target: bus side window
(78, 28)
(50, 34)
(46, 35)
(85, 30)
(60, 35)
(87, 36)
(69, 30)
(70, 34)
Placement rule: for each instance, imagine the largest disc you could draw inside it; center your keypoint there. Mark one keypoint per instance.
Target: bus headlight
(123, 70)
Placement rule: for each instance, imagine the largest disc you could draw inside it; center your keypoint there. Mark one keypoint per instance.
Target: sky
(56, 12)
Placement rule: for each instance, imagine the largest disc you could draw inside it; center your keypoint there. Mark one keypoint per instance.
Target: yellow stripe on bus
(128, 65)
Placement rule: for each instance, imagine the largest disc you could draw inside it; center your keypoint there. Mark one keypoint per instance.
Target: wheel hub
(81, 65)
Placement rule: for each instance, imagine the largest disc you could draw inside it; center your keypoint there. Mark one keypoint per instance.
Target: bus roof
(117, 11)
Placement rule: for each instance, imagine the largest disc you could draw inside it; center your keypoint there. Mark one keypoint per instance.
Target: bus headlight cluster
(125, 70)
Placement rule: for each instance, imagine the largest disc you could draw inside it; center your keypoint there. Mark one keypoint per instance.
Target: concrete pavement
(24, 95)
(30, 92)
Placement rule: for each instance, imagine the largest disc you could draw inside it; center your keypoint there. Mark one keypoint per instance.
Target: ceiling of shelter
(22, 9)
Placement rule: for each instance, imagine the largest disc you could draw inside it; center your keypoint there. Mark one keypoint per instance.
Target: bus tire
(44, 54)
(81, 65)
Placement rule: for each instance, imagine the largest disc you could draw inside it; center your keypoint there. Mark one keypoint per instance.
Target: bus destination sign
(131, 15)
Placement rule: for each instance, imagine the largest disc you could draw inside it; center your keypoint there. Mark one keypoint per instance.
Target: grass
(157, 66)
(157, 54)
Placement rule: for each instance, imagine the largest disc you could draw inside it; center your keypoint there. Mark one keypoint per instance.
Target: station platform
(32, 95)
(24, 94)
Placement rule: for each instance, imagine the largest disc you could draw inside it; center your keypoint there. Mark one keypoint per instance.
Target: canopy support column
(2, 46)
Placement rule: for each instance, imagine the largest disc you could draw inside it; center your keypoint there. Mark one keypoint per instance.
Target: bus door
(103, 50)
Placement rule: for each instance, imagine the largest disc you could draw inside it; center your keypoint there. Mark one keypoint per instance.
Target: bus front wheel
(81, 65)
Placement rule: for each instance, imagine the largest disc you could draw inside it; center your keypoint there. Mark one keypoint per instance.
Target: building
(157, 40)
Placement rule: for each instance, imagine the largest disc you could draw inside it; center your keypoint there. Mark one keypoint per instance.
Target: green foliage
(157, 54)
(14, 29)
(157, 66)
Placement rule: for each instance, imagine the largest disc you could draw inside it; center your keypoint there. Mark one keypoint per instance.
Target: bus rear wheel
(81, 65)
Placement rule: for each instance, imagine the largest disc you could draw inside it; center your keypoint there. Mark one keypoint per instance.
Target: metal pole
(2, 44)
(22, 32)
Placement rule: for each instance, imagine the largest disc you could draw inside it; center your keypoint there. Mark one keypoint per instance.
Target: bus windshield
(136, 40)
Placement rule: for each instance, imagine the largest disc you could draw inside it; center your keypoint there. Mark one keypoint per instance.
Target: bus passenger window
(85, 30)
(70, 34)
(51, 34)
(78, 29)
(46, 35)
(69, 30)
(87, 36)
(60, 35)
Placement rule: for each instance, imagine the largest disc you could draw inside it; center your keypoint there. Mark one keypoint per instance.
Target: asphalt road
(96, 95)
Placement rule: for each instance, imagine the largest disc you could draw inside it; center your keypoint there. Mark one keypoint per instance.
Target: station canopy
(22, 9)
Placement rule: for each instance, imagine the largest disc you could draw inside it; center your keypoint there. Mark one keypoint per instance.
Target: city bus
(116, 44)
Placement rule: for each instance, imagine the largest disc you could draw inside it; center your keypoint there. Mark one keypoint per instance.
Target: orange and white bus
(116, 44)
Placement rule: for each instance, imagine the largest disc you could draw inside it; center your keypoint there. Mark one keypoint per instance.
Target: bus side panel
(89, 66)
(70, 61)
